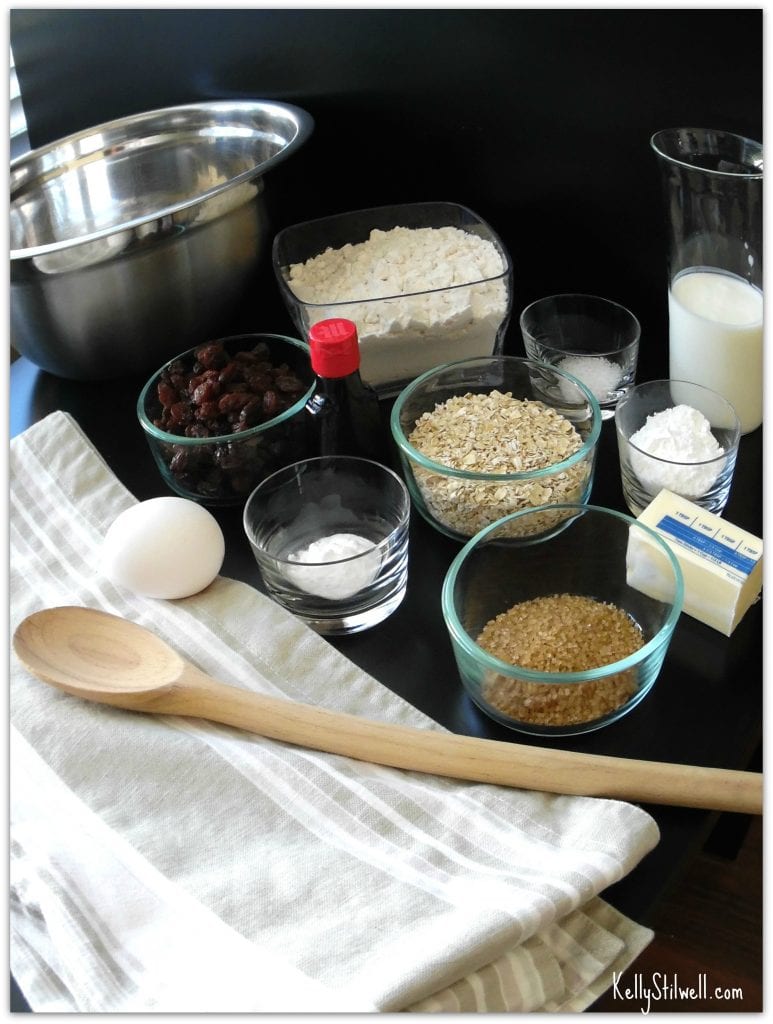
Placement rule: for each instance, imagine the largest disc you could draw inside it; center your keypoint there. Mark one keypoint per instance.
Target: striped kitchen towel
(161, 864)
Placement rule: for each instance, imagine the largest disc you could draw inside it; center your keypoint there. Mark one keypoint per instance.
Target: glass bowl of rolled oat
(482, 438)
(549, 636)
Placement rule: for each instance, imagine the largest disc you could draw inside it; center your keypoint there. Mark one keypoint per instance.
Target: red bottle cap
(335, 350)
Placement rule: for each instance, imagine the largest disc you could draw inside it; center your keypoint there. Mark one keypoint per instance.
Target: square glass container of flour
(425, 283)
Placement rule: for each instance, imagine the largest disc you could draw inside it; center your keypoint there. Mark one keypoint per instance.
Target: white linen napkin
(169, 865)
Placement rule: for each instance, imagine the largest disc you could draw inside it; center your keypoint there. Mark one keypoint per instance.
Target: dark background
(538, 120)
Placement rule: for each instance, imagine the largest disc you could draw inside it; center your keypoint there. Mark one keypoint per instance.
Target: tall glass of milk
(712, 183)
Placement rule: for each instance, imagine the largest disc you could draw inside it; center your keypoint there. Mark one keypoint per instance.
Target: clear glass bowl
(707, 483)
(404, 332)
(460, 502)
(224, 469)
(587, 557)
(330, 536)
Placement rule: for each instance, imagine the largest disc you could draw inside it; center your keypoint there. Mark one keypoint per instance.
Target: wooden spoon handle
(466, 757)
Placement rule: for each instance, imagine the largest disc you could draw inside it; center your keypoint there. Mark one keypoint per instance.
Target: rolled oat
(495, 433)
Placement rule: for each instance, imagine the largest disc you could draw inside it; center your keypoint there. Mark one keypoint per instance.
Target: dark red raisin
(251, 412)
(179, 412)
(208, 391)
(233, 402)
(288, 384)
(167, 395)
(197, 430)
(206, 411)
(212, 355)
(270, 403)
(229, 372)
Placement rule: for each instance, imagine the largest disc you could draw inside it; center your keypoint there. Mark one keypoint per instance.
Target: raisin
(229, 373)
(216, 394)
(251, 413)
(179, 461)
(227, 457)
(233, 402)
(167, 394)
(270, 403)
(206, 392)
(258, 380)
(212, 355)
(206, 411)
(179, 413)
(288, 384)
(197, 430)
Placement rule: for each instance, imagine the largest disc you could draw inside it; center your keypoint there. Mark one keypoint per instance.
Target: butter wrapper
(720, 562)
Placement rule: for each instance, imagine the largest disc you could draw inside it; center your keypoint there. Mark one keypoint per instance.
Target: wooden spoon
(104, 658)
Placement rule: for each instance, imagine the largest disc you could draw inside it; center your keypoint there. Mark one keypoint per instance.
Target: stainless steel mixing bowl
(133, 240)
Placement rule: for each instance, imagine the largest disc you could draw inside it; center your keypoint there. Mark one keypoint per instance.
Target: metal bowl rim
(304, 126)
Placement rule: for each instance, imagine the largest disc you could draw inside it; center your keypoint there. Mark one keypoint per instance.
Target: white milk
(716, 338)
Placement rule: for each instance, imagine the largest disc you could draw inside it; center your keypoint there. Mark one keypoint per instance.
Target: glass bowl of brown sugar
(549, 636)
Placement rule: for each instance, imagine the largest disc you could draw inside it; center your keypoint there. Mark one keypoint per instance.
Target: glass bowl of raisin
(227, 413)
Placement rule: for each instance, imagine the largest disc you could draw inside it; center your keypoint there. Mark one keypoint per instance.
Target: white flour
(457, 315)
(682, 437)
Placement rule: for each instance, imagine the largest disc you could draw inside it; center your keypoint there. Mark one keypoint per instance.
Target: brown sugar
(560, 633)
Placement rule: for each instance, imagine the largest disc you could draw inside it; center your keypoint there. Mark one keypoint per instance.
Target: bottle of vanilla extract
(345, 416)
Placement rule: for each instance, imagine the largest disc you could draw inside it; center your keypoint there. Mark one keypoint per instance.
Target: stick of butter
(721, 563)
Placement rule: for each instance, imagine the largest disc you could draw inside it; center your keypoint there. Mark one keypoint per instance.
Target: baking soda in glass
(330, 536)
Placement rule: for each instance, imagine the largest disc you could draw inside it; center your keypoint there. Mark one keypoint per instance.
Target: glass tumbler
(646, 469)
(712, 186)
(330, 536)
(594, 339)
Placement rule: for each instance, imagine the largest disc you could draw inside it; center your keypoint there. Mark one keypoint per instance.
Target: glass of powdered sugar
(678, 436)
(330, 536)
(592, 338)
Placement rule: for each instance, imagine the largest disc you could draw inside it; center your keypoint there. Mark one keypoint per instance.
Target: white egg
(164, 547)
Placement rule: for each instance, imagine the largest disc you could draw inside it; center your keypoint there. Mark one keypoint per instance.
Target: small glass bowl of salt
(330, 536)
(589, 337)
(677, 436)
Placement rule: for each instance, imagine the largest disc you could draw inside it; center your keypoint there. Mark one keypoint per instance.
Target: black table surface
(705, 708)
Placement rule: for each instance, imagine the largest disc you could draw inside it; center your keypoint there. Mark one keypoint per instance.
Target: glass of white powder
(592, 338)
(330, 536)
(678, 436)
